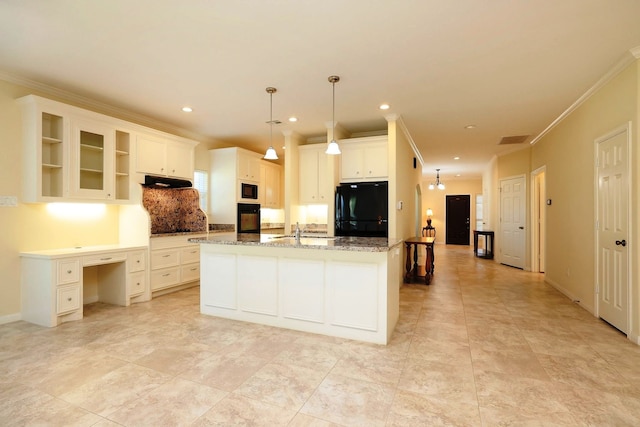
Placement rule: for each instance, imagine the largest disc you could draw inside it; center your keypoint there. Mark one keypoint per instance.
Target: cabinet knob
(138, 261)
(68, 271)
(69, 299)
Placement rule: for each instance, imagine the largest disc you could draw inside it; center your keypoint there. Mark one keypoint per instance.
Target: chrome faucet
(297, 233)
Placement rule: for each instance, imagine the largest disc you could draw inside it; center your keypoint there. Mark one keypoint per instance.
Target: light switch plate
(9, 201)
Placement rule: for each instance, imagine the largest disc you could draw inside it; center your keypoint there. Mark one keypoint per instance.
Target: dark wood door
(458, 219)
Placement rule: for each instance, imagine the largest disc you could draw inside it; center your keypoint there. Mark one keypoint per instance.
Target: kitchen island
(345, 287)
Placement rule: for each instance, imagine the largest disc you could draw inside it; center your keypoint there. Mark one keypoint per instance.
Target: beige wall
(436, 200)
(403, 190)
(567, 151)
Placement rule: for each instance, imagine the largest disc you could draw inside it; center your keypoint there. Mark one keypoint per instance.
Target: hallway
(483, 345)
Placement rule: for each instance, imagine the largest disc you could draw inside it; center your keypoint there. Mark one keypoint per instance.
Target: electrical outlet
(9, 201)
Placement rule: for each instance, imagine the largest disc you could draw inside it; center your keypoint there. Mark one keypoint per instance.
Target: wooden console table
(413, 273)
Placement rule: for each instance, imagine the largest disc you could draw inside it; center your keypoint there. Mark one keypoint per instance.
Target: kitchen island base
(346, 294)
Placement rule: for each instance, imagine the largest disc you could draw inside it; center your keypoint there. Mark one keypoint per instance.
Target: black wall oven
(248, 218)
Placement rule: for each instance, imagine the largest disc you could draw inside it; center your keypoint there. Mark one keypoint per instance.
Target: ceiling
(508, 67)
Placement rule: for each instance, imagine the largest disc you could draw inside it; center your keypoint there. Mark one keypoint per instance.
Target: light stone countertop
(307, 241)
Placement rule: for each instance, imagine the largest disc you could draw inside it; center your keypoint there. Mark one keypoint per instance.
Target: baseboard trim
(568, 294)
(10, 318)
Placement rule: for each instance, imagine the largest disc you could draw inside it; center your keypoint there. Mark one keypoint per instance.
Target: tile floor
(483, 345)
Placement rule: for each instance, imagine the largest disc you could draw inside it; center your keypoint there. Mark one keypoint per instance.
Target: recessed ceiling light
(456, 158)
(187, 109)
(293, 119)
(458, 175)
(384, 106)
(470, 127)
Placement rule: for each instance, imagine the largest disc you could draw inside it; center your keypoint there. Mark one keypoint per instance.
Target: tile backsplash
(174, 210)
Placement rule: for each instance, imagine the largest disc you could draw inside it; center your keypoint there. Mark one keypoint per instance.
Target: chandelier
(438, 184)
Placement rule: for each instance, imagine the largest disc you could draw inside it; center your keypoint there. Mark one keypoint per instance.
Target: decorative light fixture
(438, 184)
(271, 152)
(429, 230)
(333, 147)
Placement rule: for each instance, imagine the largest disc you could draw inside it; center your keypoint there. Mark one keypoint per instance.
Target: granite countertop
(190, 233)
(307, 241)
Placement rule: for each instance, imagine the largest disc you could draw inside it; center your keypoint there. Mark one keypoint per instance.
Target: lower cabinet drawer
(190, 272)
(164, 258)
(136, 283)
(190, 254)
(68, 298)
(164, 278)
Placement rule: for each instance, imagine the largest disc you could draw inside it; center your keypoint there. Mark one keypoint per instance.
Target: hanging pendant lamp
(333, 147)
(438, 184)
(271, 152)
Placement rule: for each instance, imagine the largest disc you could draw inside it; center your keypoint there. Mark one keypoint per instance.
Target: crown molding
(100, 107)
(397, 118)
(629, 57)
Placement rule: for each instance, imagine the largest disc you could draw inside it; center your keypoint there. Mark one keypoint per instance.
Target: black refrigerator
(362, 209)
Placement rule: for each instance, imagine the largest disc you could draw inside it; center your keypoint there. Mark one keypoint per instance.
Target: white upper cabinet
(46, 146)
(92, 160)
(71, 154)
(158, 156)
(364, 159)
(313, 174)
(248, 166)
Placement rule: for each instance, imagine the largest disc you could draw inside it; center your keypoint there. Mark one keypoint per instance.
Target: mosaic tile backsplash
(174, 210)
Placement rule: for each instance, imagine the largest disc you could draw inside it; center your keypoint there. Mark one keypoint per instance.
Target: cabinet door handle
(165, 275)
(166, 256)
(194, 268)
(105, 259)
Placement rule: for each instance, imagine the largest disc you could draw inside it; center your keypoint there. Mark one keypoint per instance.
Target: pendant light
(333, 147)
(438, 184)
(271, 152)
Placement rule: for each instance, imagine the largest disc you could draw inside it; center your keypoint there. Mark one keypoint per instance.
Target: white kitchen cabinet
(364, 159)
(46, 145)
(70, 154)
(248, 165)
(52, 281)
(313, 174)
(93, 160)
(175, 263)
(270, 185)
(163, 157)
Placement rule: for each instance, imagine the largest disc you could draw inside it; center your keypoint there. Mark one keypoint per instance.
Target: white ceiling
(508, 67)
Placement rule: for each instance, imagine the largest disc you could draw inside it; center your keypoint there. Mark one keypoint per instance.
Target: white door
(512, 221)
(612, 228)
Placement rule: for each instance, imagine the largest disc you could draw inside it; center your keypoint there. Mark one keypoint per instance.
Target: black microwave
(249, 191)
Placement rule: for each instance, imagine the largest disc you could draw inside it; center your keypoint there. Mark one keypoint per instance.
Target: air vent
(508, 140)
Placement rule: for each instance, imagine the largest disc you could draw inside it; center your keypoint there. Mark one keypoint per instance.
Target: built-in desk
(53, 281)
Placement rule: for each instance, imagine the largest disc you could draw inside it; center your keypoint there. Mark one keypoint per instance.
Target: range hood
(164, 182)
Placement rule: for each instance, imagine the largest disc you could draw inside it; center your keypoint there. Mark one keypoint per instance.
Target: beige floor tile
(350, 402)
(225, 372)
(177, 402)
(236, 410)
(108, 393)
(412, 409)
(286, 386)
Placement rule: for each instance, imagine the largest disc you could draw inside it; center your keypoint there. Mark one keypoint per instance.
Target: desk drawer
(136, 261)
(68, 298)
(68, 271)
(166, 258)
(136, 283)
(108, 258)
(164, 278)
